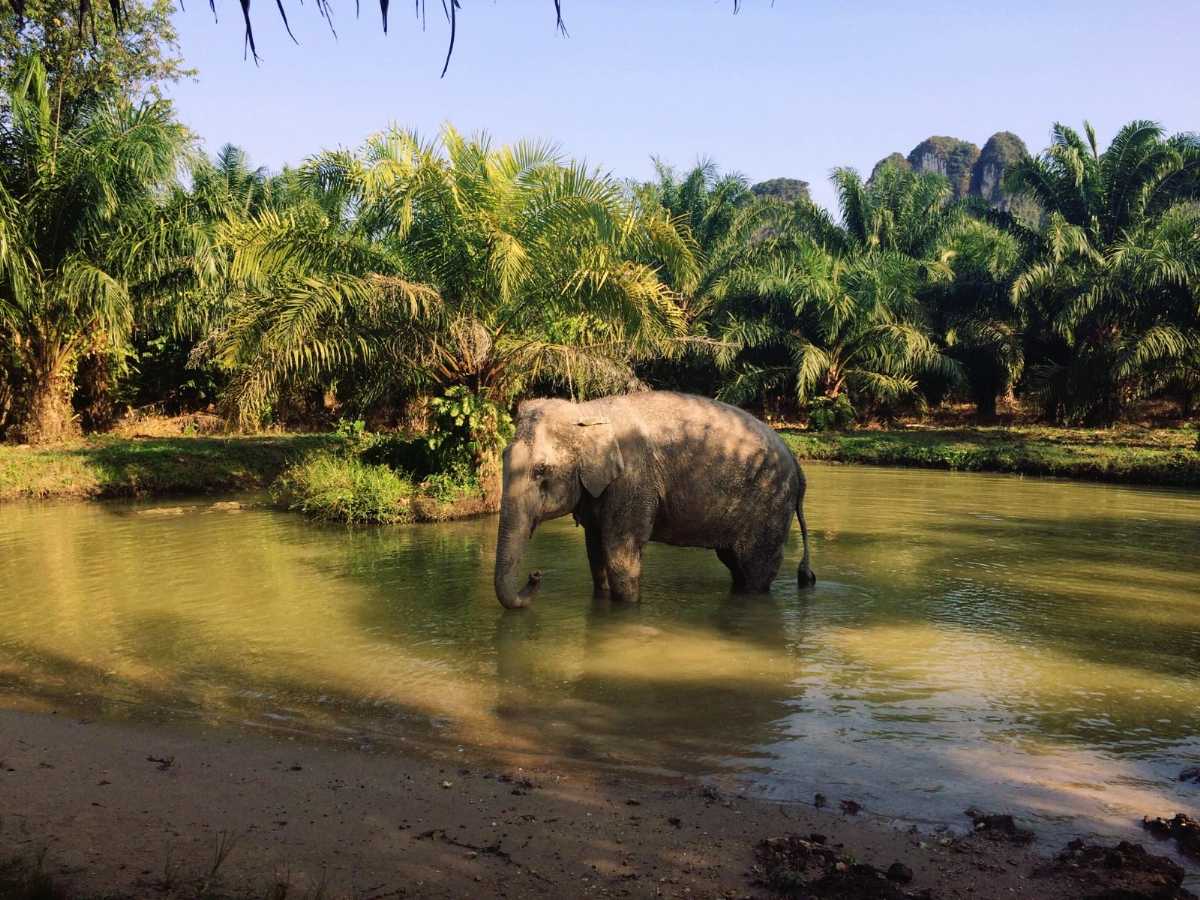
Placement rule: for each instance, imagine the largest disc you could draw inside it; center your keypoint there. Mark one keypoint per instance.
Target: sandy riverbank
(139, 810)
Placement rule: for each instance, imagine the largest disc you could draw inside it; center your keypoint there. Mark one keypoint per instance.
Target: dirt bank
(148, 811)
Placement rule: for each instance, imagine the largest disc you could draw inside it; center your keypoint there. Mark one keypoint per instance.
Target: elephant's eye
(539, 471)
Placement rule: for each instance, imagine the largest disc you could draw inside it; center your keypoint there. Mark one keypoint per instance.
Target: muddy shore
(147, 811)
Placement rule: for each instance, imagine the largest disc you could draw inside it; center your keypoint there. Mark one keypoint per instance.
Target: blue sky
(790, 89)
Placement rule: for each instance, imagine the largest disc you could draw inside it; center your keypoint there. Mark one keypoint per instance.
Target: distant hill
(949, 157)
(788, 189)
(971, 172)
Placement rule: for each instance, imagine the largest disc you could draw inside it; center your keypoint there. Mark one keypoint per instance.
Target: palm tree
(722, 218)
(968, 258)
(809, 321)
(78, 228)
(898, 210)
(817, 308)
(420, 265)
(979, 322)
(191, 292)
(706, 200)
(1114, 285)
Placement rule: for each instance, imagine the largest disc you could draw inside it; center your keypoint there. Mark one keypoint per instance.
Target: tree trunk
(48, 415)
(489, 467)
(985, 404)
(8, 398)
(97, 410)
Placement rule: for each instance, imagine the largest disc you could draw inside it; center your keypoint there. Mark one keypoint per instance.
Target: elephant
(649, 466)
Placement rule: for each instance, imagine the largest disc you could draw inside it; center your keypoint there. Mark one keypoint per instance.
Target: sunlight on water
(1024, 644)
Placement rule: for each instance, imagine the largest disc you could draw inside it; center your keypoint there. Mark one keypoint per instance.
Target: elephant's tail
(804, 575)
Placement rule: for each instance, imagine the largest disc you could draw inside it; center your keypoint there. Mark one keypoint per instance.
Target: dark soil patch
(793, 866)
(999, 827)
(1184, 829)
(1122, 872)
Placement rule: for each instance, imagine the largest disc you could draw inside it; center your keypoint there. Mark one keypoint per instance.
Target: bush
(467, 428)
(338, 488)
(412, 456)
(830, 413)
(451, 485)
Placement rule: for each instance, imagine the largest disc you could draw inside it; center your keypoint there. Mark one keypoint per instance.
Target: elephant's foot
(629, 591)
(600, 583)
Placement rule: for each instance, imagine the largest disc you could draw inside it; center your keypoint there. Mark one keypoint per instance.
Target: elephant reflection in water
(651, 690)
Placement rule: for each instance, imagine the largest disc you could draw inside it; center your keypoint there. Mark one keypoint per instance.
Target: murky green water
(1018, 644)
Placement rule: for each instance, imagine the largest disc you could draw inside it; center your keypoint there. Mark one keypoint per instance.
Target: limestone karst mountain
(950, 157)
(787, 189)
(971, 172)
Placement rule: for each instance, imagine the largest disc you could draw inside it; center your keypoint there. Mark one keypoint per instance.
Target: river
(1022, 645)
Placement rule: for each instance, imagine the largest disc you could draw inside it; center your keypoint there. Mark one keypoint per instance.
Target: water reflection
(972, 639)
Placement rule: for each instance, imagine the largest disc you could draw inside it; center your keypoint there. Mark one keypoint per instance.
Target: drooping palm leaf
(450, 9)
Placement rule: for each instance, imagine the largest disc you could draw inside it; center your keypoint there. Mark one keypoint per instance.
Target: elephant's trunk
(516, 527)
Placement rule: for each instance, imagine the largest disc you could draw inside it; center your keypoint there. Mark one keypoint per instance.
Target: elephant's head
(560, 450)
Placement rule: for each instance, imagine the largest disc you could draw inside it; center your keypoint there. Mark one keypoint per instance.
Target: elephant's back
(722, 470)
(712, 429)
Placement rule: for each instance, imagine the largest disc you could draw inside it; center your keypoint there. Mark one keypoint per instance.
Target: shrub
(830, 413)
(450, 485)
(412, 456)
(339, 488)
(467, 428)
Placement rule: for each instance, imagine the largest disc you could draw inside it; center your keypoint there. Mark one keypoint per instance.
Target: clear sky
(793, 88)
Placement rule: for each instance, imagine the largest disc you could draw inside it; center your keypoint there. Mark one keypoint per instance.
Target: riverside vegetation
(422, 287)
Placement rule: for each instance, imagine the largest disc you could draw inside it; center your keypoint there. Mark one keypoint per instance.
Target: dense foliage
(430, 284)
(81, 238)
(1115, 282)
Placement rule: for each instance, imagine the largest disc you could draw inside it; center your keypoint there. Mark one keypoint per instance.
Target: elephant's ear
(599, 455)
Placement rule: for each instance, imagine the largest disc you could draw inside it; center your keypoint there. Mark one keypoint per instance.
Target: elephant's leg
(730, 559)
(623, 565)
(597, 558)
(759, 563)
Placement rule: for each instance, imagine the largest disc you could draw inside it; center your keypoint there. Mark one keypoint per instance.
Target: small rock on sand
(999, 827)
(1183, 828)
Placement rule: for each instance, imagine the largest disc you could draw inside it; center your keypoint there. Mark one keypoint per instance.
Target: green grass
(1125, 455)
(337, 488)
(123, 467)
(341, 487)
(319, 475)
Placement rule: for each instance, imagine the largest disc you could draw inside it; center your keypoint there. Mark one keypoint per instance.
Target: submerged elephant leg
(597, 558)
(730, 559)
(759, 564)
(624, 569)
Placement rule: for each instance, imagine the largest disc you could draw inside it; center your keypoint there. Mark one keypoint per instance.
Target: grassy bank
(124, 467)
(1124, 455)
(312, 474)
(341, 487)
(305, 473)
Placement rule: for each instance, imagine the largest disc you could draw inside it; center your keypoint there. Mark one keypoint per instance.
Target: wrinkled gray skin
(652, 466)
